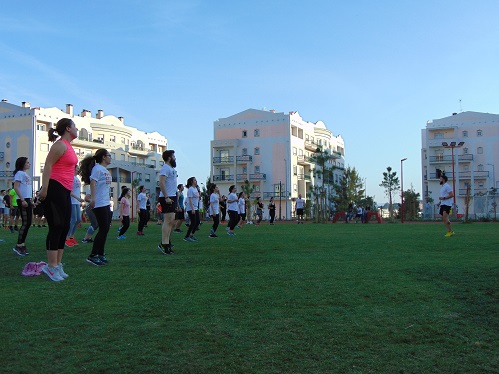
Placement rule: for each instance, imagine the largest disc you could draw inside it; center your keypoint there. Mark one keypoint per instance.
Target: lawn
(286, 298)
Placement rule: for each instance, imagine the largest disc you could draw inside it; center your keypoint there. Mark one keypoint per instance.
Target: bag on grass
(32, 269)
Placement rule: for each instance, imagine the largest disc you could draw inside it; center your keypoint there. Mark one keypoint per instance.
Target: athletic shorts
(14, 211)
(180, 215)
(6, 211)
(299, 212)
(444, 208)
(168, 207)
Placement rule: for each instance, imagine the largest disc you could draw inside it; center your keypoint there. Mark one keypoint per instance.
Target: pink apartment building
(271, 150)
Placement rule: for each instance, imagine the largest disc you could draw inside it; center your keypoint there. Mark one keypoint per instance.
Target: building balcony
(123, 179)
(465, 158)
(252, 177)
(92, 144)
(6, 173)
(440, 159)
(476, 175)
(335, 155)
(302, 160)
(223, 160)
(275, 195)
(310, 145)
(244, 159)
(476, 191)
(223, 178)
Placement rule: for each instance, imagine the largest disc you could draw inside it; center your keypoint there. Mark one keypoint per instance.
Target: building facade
(272, 151)
(464, 146)
(136, 155)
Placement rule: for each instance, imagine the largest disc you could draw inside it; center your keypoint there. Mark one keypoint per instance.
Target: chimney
(86, 113)
(26, 104)
(100, 114)
(122, 119)
(272, 110)
(69, 109)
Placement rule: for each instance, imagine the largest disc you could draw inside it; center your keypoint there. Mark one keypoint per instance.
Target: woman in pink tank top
(57, 183)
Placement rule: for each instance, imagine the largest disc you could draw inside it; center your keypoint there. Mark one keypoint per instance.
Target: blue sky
(373, 71)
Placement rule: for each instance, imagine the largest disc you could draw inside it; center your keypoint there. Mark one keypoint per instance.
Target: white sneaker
(60, 268)
(52, 273)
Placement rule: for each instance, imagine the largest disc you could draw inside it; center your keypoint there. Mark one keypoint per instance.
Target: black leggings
(142, 219)
(194, 222)
(102, 214)
(216, 221)
(233, 219)
(27, 218)
(272, 215)
(57, 207)
(125, 224)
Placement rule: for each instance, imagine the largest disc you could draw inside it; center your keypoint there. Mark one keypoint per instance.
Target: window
(306, 137)
(300, 152)
(245, 170)
(148, 177)
(245, 151)
(133, 159)
(224, 156)
(112, 138)
(44, 147)
(257, 133)
(100, 137)
(295, 170)
(295, 187)
(479, 150)
(122, 157)
(257, 169)
(465, 151)
(465, 134)
(153, 163)
(294, 150)
(245, 133)
(257, 151)
(113, 155)
(40, 127)
(41, 167)
(480, 167)
(122, 140)
(478, 132)
(438, 135)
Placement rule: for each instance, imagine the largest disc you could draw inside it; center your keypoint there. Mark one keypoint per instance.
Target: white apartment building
(272, 151)
(465, 146)
(136, 155)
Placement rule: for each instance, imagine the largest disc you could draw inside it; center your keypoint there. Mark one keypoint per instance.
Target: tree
(411, 203)
(248, 189)
(391, 185)
(319, 190)
(205, 194)
(349, 189)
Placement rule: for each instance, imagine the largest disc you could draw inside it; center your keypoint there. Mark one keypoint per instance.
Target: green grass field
(286, 298)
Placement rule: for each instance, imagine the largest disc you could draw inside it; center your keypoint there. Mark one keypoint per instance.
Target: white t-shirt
(242, 206)
(25, 185)
(214, 204)
(192, 193)
(233, 205)
(142, 199)
(2, 204)
(103, 179)
(76, 191)
(171, 180)
(444, 192)
(300, 203)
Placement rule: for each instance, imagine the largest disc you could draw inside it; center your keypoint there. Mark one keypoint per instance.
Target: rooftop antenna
(460, 105)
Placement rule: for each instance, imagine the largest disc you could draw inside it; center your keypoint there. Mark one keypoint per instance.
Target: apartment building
(465, 146)
(272, 151)
(136, 155)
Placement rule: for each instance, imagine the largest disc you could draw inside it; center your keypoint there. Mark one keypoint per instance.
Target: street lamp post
(402, 186)
(493, 175)
(453, 145)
